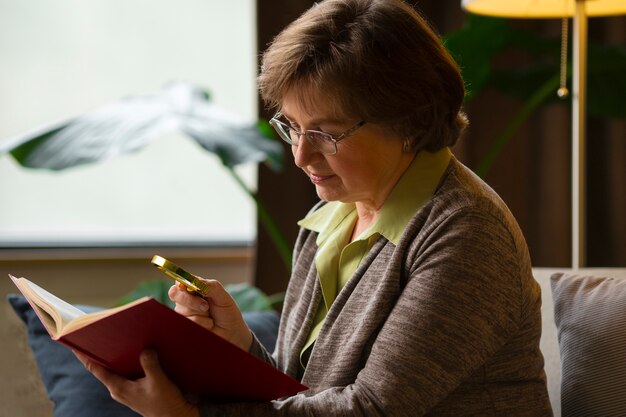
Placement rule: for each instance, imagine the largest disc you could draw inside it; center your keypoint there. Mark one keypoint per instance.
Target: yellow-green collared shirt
(337, 258)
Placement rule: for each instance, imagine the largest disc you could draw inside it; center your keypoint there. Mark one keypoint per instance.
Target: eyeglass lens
(319, 140)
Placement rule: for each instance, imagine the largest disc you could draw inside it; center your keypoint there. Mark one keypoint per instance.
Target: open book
(197, 360)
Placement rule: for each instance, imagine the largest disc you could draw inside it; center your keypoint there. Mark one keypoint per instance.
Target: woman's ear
(407, 146)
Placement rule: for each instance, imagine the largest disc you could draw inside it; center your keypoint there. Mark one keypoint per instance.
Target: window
(61, 58)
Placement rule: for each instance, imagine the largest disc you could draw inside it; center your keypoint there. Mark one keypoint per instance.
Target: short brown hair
(377, 60)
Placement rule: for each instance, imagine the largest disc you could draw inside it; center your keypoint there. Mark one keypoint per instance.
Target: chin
(324, 195)
(327, 195)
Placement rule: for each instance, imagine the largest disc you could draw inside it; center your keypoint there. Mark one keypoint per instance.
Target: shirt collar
(327, 218)
(413, 190)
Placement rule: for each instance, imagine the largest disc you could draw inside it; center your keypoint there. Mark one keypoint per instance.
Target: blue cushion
(72, 389)
(264, 325)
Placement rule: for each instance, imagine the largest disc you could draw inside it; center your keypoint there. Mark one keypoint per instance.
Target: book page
(58, 316)
(66, 312)
(86, 319)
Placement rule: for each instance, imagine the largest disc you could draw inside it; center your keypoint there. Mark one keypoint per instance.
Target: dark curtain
(288, 194)
(532, 174)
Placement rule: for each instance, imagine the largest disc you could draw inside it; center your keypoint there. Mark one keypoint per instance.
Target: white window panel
(61, 58)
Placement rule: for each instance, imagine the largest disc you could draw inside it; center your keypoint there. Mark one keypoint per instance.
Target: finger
(177, 292)
(217, 294)
(188, 312)
(204, 321)
(223, 308)
(150, 363)
(186, 303)
(108, 378)
(81, 357)
(226, 319)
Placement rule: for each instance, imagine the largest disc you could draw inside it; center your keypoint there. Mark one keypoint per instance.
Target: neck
(368, 211)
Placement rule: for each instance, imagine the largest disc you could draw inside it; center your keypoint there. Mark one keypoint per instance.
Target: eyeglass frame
(278, 124)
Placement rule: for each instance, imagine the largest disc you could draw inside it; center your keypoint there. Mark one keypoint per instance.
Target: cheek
(363, 173)
(350, 172)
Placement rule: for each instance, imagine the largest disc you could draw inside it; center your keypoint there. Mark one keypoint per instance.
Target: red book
(197, 360)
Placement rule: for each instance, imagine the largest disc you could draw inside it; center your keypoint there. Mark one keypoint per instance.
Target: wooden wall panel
(289, 194)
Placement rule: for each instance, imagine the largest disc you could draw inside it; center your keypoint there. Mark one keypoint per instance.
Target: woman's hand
(154, 395)
(216, 311)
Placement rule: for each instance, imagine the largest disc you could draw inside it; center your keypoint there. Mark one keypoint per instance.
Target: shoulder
(460, 188)
(465, 226)
(464, 201)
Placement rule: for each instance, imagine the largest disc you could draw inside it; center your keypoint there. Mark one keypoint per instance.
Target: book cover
(197, 360)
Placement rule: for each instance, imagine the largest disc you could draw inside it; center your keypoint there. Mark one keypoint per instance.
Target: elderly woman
(411, 291)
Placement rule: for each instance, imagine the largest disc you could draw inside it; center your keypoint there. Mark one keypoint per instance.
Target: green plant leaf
(474, 47)
(274, 161)
(534, 82)
(21, 151)
(248, 297)
(277, 237)
(606, 81)
(156, 289)
(130, 124)
(606, 66)
(522, 82)
(539, 96)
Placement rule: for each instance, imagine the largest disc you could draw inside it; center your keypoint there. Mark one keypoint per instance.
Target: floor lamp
(580, 10)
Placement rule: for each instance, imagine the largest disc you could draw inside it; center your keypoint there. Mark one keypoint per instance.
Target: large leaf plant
(134, 122)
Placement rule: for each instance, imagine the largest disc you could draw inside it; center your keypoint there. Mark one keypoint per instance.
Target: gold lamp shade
(543, 8)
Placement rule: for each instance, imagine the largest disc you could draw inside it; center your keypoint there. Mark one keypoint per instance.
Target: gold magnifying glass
(193, 284)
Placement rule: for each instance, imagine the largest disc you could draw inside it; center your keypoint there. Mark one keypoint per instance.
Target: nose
(304, 154)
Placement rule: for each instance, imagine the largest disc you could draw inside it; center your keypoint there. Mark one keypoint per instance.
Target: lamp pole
(579, 179)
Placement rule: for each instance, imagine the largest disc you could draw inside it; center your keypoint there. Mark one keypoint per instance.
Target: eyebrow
(319, 121)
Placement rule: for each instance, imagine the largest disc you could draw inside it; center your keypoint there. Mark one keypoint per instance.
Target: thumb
(150, 363)
(217, 295)
(222, 307)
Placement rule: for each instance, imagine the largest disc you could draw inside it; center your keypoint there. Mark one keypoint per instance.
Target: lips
(318, 179)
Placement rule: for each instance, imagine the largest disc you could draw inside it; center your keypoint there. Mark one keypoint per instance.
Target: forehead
(312, 103)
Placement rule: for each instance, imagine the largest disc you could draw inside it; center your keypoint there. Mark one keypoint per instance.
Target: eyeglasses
(321, 141)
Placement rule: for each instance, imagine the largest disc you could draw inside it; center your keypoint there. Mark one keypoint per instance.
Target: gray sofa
(550, 342)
